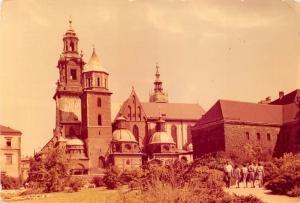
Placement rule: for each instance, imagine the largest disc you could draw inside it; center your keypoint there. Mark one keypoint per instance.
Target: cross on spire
(70, 22)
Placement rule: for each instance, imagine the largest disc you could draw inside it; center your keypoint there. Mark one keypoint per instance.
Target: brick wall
(208, 139)
(236, 136)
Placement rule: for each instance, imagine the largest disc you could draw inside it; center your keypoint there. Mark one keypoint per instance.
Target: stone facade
(10, 151)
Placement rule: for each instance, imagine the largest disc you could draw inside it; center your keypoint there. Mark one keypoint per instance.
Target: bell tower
(69, 88)
(96, 112)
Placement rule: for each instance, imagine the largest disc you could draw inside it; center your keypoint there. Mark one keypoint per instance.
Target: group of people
(247, 174)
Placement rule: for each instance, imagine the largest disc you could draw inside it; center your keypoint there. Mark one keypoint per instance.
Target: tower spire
(158, 95)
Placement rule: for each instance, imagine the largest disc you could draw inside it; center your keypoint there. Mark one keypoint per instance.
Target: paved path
(264, 195)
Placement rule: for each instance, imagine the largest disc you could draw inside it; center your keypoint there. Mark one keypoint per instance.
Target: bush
(181, 183)
(111, 178)
(285, 178)
(98, 181)
(76, 183)
(8, 182)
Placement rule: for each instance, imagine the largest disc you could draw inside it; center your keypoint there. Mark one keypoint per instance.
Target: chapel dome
(75, 142)
(123, 135)
(161, 138)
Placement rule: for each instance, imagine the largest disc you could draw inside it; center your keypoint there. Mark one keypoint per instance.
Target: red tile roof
(7, 130)
(180, 111)
(225, 110)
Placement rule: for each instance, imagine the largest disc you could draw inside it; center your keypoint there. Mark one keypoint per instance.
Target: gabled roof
(180, 111)
(126, 102)
(8, 130)
(225, 110)
(292, 97)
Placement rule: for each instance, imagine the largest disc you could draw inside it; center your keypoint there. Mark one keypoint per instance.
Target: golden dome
(123, 135)
(75, 142)
(94, 64)
(161, 138)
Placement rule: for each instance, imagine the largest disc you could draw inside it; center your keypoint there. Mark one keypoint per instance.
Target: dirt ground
(264, 195)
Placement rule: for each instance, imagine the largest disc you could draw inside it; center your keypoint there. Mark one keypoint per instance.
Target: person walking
(251, 170)
(237, 175)
(260, 174)
(244, 175)
(228, 170)
(255, 172)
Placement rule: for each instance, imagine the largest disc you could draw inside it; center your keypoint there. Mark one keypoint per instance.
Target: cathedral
(142, 131)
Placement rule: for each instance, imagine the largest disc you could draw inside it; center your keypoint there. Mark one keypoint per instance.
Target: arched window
(99, 102)
(135, 131)
(174, 133)
(140, 113)
(129, 112)
(72, 46)
(189, 134)
(98, 82)
(99, 120)
(101, 162)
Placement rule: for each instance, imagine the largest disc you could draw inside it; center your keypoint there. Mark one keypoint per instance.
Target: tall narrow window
(72, 46)
(98, 82)
(139, 113)
(73, 74)
(8, 159)
(99, 102)
(129, 112)
(106, 85)
(174, 133)
(268, 136)
(99, 120)
(258, 136)
(135, 131)
(247, 135)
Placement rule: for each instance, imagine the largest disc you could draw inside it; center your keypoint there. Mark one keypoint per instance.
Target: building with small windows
(229, 125)
(10, 151)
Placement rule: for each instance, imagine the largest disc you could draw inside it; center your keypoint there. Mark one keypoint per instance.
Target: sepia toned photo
(150, 101)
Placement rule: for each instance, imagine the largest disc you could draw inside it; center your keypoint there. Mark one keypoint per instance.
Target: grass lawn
(91, 195)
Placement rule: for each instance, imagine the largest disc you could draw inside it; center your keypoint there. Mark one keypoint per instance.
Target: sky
(207, 50)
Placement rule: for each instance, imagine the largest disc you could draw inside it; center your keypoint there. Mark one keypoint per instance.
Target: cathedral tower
(69, 88)
(96, 113)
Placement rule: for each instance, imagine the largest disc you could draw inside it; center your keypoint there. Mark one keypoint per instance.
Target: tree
(50, 170)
